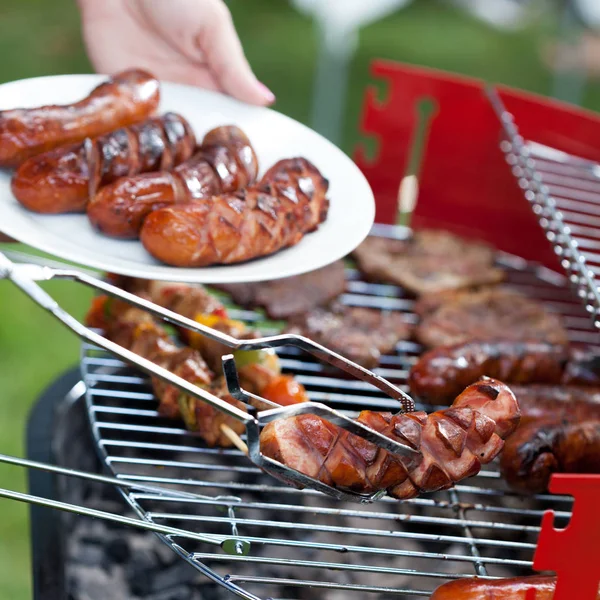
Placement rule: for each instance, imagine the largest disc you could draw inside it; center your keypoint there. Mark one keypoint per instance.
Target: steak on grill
(283, 298)
(431, 261)
(360, 334)
(490, 313)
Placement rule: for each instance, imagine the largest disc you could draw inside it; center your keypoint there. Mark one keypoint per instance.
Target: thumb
(222, 49)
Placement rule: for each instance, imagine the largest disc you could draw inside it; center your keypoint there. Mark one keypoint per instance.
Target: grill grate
(302, 539)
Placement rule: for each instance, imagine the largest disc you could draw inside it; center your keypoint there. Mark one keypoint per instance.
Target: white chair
(338, 23)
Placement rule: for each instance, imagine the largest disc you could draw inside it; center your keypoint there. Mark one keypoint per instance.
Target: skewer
(408, 191)
(234, 438)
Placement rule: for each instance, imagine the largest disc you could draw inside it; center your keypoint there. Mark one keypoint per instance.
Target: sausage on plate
(64, 179)
(124, 99)
(225, 162)
(289, 202)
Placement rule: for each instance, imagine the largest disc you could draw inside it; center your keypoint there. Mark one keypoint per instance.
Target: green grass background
(41, 37)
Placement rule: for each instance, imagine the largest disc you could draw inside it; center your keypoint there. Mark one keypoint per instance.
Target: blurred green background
(41, 37)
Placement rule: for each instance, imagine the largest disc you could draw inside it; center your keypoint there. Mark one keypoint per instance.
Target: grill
(301, 539)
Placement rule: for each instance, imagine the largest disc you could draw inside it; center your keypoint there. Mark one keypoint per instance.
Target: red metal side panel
(466, 185)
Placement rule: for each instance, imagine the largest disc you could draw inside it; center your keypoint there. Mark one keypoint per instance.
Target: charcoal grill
(301, 539)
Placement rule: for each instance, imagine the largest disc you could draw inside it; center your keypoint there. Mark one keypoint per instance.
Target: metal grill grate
(302, 539)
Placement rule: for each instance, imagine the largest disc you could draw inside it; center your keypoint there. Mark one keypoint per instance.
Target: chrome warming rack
(304, 543)
(564, 193)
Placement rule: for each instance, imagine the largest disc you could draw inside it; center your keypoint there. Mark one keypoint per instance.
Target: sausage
(544, 446)
(440, 374)
(453, 444)
(515, 588)
(62, 180)
(124, 99)
(575, 403)
(224, 163)
(289, 202)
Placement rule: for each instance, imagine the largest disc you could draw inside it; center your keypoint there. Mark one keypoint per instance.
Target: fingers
(222, 49)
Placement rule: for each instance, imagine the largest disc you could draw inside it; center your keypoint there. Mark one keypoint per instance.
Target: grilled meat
(516, 588)
(440, 374)
(360, 334)
(284, 298)
(135, 329)
(453, 443)
(430, 262)
(570, 402)
(493, 313)
(120, 208)
(289, 202)
(544, 446)
(259, 370)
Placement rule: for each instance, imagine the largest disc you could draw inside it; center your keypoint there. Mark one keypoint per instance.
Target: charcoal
(117, 550)
(140, 572)
(96, 584)
(180, 573)
(181, 592)
(89, 554)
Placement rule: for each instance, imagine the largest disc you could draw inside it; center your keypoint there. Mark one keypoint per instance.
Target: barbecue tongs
(24, 276)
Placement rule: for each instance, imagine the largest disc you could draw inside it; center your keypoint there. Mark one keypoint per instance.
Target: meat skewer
(440, 374)
(136, 330)
(122, 100)
(454, 444)
(260, 370)
(64, 179)
(224, 163)
(516, 588)
(289, 202)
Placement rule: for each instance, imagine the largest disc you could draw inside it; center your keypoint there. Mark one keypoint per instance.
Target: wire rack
(564, 193)
(302, 540)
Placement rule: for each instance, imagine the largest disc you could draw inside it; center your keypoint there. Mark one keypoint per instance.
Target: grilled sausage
(62, 180)
(124, 99)
(453, 444)
(497, 589)
(440, 374)
(224, 163)
(289, 202)
(541, 447)
(571, 402)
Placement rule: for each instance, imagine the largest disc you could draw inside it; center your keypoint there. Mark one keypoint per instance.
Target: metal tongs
(25, 274)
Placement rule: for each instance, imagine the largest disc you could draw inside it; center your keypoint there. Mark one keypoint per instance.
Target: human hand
(184, 41)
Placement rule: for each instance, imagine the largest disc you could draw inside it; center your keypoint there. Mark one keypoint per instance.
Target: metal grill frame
(473, 516)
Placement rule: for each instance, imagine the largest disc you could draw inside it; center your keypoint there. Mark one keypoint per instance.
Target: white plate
(273, 135)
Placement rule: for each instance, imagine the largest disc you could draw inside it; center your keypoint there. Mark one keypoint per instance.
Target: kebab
(260, 370)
